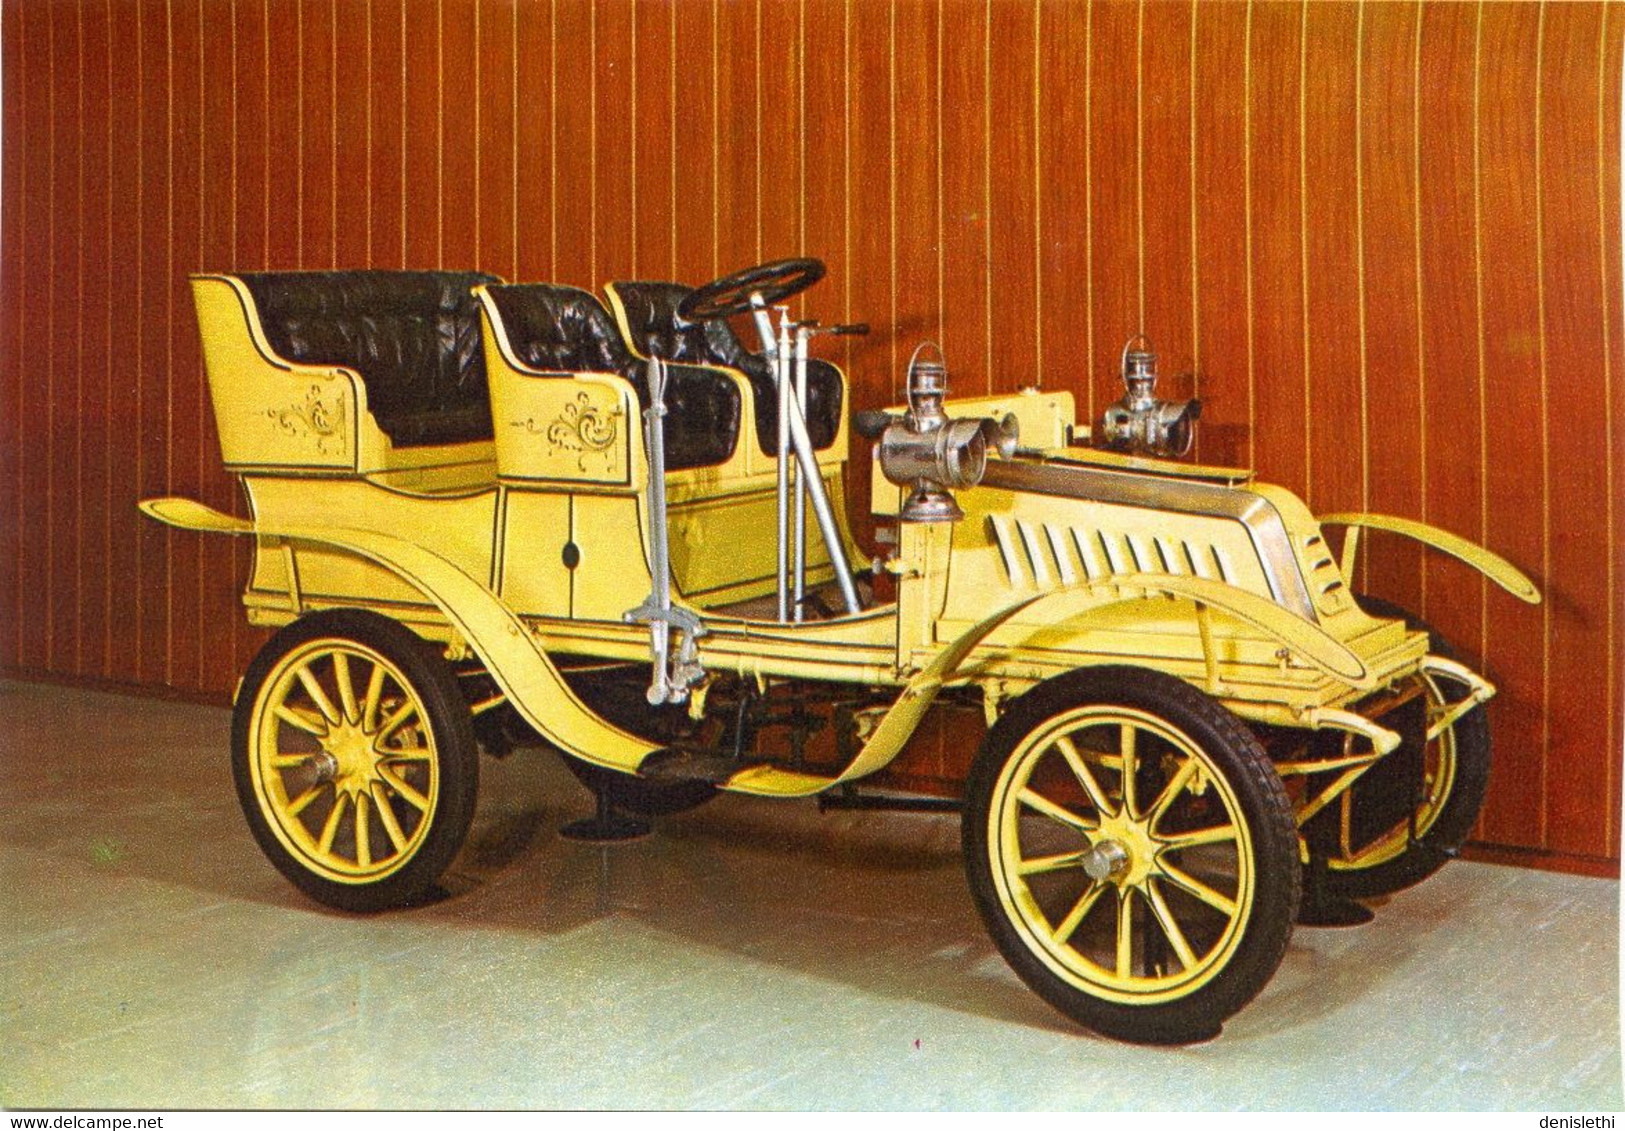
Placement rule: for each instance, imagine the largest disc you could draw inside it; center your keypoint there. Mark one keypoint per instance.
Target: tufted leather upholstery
(414, 337)
(658, 331)
(561, 328)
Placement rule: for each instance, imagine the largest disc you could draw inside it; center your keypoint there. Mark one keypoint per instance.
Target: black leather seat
(413, 336)
(564, 329)
(658, 331)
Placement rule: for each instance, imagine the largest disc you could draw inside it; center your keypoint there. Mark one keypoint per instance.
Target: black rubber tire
(640, 797)
(1264, 807)
(1460, 809)
(446, 718)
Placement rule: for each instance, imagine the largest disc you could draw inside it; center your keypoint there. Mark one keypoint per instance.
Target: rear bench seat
(368, 372)
(414, 336)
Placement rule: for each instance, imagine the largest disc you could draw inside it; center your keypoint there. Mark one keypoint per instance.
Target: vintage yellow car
(485, 514)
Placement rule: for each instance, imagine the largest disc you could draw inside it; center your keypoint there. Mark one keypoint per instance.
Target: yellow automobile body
(522, 552)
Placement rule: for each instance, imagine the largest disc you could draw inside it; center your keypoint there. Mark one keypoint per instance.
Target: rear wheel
(1132, 852)
(355, 760)
(1431, 793)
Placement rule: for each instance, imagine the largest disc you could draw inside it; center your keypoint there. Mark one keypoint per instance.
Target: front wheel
(1132, 852)
(355, 759)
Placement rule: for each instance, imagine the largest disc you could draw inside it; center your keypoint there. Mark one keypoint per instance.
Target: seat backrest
(649, 310)
(565, 329)
(413, 336)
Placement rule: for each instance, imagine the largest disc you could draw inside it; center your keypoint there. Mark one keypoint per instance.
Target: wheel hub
(1125, 852)
(353, 755)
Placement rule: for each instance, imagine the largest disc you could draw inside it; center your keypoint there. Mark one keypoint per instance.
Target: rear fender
(520, 667)
(1491, 565)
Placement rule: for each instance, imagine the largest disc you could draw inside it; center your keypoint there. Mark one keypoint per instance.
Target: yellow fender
(1311, 642)
(1491, 565)
(539, 693)
(518, 664)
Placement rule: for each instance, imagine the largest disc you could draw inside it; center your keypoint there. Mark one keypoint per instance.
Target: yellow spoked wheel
(1407, 815)
(1132, 852)
(355, 759)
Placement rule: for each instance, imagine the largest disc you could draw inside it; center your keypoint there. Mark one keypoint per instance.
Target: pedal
(677, 764)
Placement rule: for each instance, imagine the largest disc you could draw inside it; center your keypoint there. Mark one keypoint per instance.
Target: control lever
(854, 329)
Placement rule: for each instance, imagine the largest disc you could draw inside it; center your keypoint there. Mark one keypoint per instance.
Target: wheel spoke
(1196, 887)
(386, 817)
(369, 708)
(1125, 933)
(405, 711)
(341, 676)
(318, 696)
(1218, 834)
(1085, 776)
(297, 718)
(331, 828)
(1050, 809)
(1131, 766)
(410, 754)
(363, 832)
(289, 761)
(1049, 863)
(300, 803)
(1066, 928)
(1170, 793)
(399, 786)
(1170, 927)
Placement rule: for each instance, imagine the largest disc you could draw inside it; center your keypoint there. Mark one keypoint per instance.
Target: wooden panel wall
(1382, 241)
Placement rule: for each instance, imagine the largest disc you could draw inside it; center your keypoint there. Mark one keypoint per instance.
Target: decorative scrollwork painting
(581, 427)
(316, 417)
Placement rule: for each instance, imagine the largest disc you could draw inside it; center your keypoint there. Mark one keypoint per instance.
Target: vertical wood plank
(1114, 157)
(613, 162)
(535, 221)
(1063, 201)
(1010, 134)
(218, 582)
(1336, 441)
(1450, 309)
(34, 41)
(462, 76)
(182, 365)
(13, 267)
(575, 144)
(1165, 172)
(1395, 358)
(1516, 484)
(423, 175)
(495, 237)
(353, 68)
(1577, 585)
(1281, 411)
(153, 271)
(1608, 204)
(385, 105)
(918, 286)
(62, 368)
(95, 420)
(964, 233)
(653, 143)
(1220, 341)
(317, 89)
(124, 370)
(695, 146)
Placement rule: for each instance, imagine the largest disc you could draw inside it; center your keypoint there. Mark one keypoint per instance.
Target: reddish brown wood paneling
(1382, 240)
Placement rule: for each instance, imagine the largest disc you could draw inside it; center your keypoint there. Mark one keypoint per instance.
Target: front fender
(520, 667)
(1491, 565)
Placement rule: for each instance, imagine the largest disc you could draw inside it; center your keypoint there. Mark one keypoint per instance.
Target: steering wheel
(731, 294)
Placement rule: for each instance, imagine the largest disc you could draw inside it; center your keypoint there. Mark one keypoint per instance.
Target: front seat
(647, 313)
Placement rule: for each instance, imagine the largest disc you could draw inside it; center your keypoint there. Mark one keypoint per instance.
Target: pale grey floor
(751, 955)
